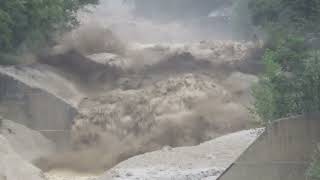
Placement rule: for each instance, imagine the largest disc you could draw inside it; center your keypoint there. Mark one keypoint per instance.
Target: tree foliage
(32, 23)
(291, 82)
(313, 171)
(299, 16)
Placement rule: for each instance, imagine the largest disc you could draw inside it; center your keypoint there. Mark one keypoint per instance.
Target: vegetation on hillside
(290, 84)
(31, 24)
(289, 16)
(314, 171)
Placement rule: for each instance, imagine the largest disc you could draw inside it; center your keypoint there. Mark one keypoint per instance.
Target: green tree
(291, 83)
(33, 23)
(299, 16)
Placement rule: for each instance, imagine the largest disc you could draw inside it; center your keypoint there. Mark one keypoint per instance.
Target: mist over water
(154, 22)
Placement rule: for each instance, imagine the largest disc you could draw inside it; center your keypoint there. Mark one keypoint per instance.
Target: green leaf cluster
(33, 23)
(295, 16)
(290, 84)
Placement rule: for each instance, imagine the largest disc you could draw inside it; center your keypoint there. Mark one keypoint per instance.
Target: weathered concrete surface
(283, 151)
(33, 106)
(202, 162)
(29, 144)
(13, 167)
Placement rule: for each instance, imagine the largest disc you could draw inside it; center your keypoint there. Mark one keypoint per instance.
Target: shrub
(313, 172)
(290, 84)
(33, 23)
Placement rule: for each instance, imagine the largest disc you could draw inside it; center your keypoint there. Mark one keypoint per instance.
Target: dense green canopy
(34, 22)
(291, 15)
(290, 84)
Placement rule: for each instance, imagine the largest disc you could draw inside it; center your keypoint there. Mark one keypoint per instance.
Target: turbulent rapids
(103, 96)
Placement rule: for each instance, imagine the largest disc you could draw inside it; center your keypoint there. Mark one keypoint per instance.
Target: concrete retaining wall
(282, 152)
(35, 108)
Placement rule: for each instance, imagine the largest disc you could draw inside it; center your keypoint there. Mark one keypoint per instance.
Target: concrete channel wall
(35, 108)
(282, 152)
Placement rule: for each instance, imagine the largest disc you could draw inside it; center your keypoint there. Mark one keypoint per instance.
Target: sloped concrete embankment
(282, 152)
(13, 167)
(33, 106)
(205, 161)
